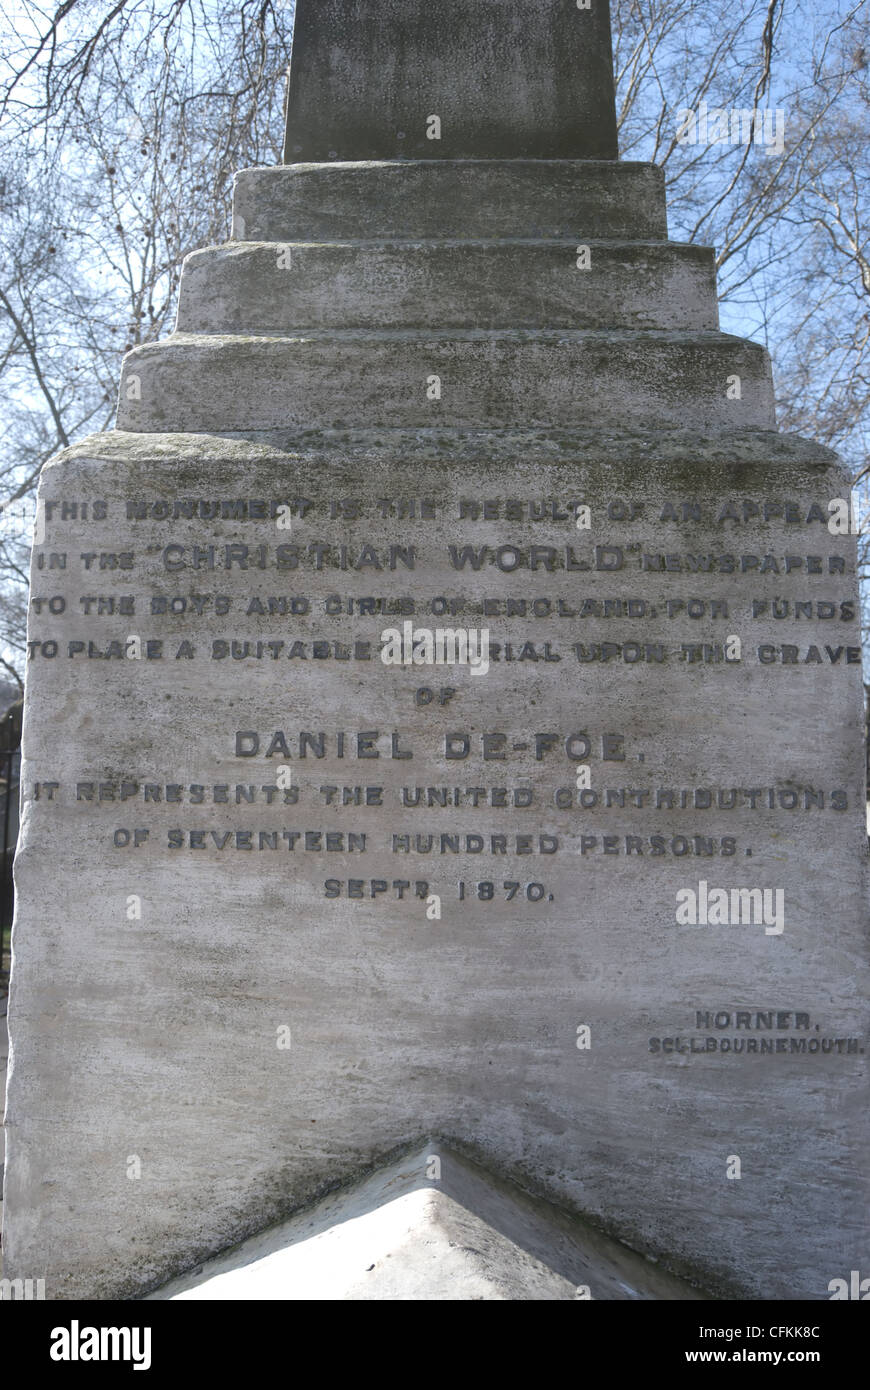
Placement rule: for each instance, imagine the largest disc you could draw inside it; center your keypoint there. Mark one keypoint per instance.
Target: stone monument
(443, 757)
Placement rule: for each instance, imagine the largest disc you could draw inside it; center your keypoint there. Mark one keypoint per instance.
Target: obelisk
(443, 731)
(504, 81)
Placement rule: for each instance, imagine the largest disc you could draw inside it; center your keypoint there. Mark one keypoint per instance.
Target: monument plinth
(303, 896)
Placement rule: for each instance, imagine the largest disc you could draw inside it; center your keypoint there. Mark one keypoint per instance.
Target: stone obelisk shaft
(393, 79)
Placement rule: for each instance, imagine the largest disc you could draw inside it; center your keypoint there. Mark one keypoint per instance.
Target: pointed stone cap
(432, 1226)
(506, 80)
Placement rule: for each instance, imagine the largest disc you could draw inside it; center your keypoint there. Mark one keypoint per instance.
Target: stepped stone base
(273, 289)
(487, 380)
(464, 293)
(455, 198)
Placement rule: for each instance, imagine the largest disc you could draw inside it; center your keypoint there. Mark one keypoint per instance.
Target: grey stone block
(278, 288)
(507, 81)
(669, 381)
(463, 198)
(156, 1038)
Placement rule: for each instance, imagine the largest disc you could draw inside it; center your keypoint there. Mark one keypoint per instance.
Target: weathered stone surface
(452, 198)
(431, 1225)
(506, 81)
(486, 380)
(306, 907)
(159, 1035)
(269, 288)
